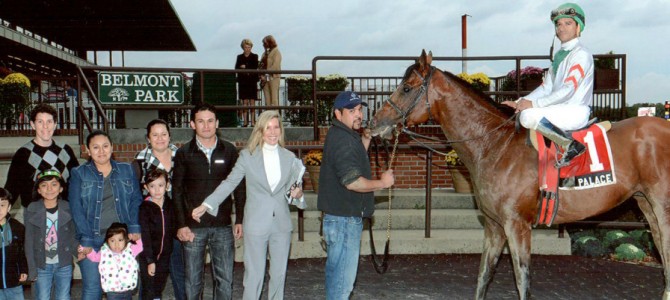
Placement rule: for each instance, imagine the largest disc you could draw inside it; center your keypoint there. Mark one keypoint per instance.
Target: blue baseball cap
(348, 100)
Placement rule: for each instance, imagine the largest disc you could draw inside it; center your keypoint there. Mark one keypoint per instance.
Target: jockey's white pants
(565, 117)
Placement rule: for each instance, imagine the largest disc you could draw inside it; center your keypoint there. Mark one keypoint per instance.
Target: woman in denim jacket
(102, 191)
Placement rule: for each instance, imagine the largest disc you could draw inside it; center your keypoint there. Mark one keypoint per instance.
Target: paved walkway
(455, 277)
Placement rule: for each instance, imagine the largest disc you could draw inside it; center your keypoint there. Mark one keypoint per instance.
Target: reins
(382, 267)
(425, 84)
(413, 135)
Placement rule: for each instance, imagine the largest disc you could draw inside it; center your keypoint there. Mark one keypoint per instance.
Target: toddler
(158, 230)
(117, 263)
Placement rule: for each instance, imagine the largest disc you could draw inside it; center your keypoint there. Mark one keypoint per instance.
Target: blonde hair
(246, 42)
(256, 138)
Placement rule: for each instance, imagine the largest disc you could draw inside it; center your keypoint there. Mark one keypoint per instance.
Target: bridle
(413, 135)
(423, 91)
(382, 266)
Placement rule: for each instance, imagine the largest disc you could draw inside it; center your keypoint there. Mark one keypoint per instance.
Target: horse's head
(409, 104)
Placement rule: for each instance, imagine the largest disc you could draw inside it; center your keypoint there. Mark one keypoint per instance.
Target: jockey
(562, 101)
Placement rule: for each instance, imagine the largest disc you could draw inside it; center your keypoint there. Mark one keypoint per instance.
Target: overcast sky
(305, 29)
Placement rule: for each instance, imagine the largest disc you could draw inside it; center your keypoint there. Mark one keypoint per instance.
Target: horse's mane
(508, 111)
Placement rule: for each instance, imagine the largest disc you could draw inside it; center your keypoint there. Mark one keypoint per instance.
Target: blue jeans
(177, 274)
(343, 237)
(127, 295)
(50, 276)
(12, 293)
(90, 276)
(222, 253)
(90, 280)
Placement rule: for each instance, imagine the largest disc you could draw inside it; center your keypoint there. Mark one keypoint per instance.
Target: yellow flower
(452, 158)
(17, 78)
(478, 80)
(313, 158)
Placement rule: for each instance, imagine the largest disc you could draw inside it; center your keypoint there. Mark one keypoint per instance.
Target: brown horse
(504, 168)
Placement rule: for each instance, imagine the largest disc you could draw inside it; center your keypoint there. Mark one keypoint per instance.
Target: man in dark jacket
(199, 167)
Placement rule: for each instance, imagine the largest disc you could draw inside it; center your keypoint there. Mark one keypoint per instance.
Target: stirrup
(574, 149)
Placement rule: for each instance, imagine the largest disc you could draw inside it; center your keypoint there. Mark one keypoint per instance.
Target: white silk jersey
(564, 98)
(571, 83)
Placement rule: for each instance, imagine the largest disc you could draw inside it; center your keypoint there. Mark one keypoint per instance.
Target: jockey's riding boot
(571, 147)
(574, 149)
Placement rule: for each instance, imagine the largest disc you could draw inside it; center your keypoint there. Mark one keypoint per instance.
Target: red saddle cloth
(592, 169)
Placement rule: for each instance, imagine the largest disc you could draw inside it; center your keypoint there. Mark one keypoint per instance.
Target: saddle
(594, 168)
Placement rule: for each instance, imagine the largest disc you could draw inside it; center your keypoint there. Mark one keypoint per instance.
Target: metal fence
(78, 106)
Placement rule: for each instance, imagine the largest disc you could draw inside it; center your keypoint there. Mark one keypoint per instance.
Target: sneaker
(574, 149)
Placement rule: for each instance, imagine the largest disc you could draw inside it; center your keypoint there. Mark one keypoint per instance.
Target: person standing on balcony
(41, 153)
(271, 60)
(247, 82)
(562, 101)
(346, 193)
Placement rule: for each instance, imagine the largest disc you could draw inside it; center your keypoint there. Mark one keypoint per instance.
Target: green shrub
(613, 235)
(624, 240)
(629, 252)
(599, 242)
(605, 62)
(644, 238)
(588, 246)
(583, 232)
(299, 92)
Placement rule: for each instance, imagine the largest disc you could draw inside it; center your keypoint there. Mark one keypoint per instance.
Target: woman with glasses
(562, 101)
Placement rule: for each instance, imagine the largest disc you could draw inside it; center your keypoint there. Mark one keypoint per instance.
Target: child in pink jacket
(118, 266)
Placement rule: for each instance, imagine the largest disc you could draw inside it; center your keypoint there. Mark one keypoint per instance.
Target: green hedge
(299, 92)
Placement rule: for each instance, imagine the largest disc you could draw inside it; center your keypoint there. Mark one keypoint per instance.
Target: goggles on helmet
(566, 12)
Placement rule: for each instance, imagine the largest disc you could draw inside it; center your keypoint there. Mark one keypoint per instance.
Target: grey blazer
(264, 209)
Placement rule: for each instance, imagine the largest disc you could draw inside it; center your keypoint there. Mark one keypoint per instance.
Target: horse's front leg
(494, 241)
(519, 238)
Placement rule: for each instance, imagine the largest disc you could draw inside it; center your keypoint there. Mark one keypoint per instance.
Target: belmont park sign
(140, 88)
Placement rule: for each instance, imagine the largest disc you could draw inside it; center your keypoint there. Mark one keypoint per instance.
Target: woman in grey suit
(267, 221)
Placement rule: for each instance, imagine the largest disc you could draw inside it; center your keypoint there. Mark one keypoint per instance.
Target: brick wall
(409, 166)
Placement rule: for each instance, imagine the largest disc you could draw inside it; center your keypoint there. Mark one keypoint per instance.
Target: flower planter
(530, 84)
(606, 79)
(461, 179)
(314, 177)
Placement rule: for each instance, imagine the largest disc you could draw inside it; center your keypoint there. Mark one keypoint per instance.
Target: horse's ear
(422, 59)
(429, 58)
